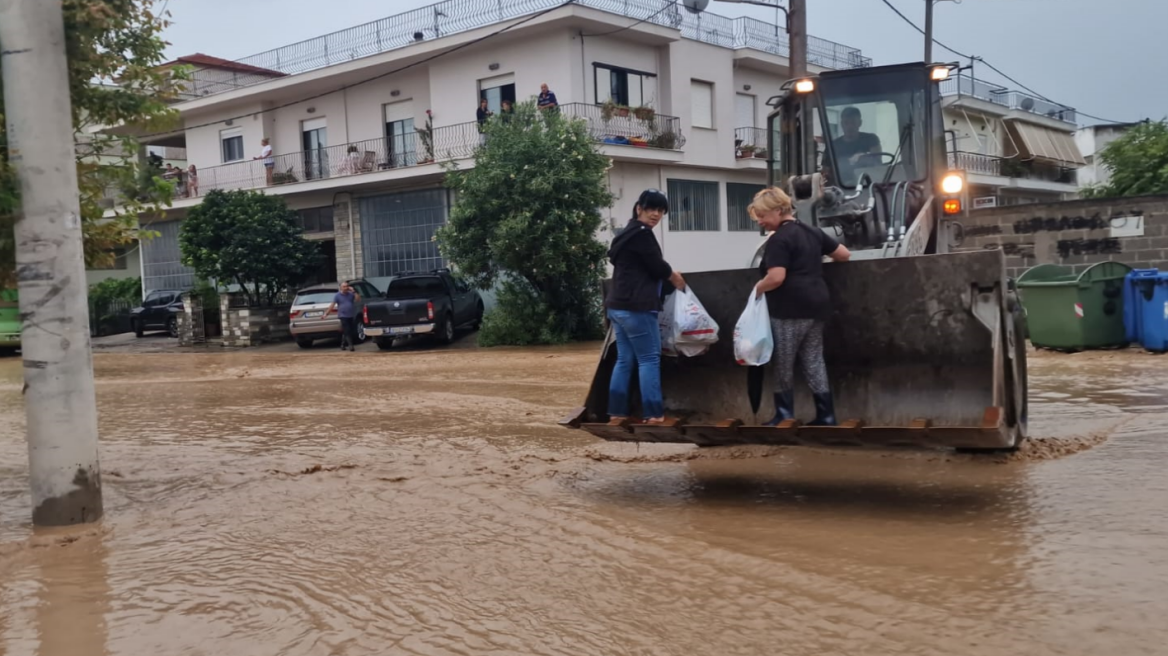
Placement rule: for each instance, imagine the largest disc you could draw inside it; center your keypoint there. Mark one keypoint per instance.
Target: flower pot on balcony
(644, 113)
(760, 154)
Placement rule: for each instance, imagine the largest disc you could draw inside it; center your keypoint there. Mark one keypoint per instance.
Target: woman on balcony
(639, 273)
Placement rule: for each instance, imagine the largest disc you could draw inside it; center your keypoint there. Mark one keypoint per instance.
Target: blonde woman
(798, 300)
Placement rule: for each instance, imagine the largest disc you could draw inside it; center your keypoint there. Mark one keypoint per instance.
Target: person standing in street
(345, 303)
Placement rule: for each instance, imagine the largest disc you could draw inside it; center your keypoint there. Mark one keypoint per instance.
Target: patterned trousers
(799, 340)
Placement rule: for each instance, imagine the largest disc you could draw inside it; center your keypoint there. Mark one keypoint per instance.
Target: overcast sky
(1105, 58)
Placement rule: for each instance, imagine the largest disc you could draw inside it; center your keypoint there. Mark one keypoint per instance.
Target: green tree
(113, 49)
(527, 215)
(1138, 161)
(248, 238)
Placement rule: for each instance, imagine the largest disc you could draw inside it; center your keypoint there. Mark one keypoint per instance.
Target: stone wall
(191, 325)
(248, 326)
(1076, 233)
(348, 251)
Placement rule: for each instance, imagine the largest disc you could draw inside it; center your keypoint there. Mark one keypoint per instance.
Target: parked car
(159, 311)
(434, 303)
(9, 321)
(308, 322)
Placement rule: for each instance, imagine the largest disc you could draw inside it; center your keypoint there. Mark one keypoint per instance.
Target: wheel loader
(924, 347)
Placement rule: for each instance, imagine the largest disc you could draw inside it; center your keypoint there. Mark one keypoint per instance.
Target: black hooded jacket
(639, 270)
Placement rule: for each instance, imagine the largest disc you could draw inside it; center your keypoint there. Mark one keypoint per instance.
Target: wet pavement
(423, 502)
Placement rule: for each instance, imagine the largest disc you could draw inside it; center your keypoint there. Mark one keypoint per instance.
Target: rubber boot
(784, 407)
(824, 410)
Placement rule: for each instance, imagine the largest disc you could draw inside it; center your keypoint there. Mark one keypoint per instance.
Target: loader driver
(852, 147)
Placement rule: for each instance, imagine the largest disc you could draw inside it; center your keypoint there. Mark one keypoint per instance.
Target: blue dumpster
(1146, 308)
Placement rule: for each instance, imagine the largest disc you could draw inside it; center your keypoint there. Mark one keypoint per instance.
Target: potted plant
(745, 151)
(760, 153)
(285, 177)
(666, 140)
(607, 110)
(426, 134)
(645, 113)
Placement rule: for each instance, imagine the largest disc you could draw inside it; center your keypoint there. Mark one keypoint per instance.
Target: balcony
(457, 16)
(1009, 167)
(654, 133)
(963, 85)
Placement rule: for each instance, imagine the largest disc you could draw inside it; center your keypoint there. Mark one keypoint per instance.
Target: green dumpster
(1072, 312)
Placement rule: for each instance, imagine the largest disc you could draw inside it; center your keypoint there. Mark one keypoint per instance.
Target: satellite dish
(695, 6)
(1028, 104)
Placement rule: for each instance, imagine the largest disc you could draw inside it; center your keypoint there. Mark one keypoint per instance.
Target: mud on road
(424, 502)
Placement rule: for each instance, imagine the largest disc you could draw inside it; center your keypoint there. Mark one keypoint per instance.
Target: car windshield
(415, 288)
(876, 125)
(314, 298)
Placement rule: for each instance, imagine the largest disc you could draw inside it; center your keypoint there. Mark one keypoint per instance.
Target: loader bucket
(921, 351)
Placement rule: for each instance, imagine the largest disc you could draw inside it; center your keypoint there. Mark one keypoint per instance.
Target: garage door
(161, 260)
(397, 232)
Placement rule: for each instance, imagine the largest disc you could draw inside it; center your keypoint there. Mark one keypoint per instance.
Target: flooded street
(425, 502)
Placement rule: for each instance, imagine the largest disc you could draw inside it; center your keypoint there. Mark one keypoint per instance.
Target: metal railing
(420, 147)
(976, 163)
(750, 142)
(456, 16)
(623, 127)
(963, 85)
(382, 154)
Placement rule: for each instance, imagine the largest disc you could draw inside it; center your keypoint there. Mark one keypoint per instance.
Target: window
(702, 101)
(738, 197)
(624, 86)
(497, 89)
(401, 140)
(231, 142)
(693, 205)
(316, 219)
(744, 110)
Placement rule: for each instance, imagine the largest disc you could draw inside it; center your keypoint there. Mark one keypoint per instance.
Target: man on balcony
(547, 98)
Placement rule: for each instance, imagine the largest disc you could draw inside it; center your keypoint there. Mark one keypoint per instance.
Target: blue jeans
(638, 339)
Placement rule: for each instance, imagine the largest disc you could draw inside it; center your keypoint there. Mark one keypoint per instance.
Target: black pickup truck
(434, 303)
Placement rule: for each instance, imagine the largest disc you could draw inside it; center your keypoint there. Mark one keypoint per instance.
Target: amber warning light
(953, 206)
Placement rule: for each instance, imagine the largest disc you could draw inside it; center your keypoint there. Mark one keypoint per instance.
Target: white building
(1091, 141)
(1015, 148)
(346, 115)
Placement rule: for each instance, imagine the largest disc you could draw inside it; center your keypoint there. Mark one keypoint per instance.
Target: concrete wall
(1075, 233)
(689, 61)
(366, 116)
(133, 268)
(202, 142)
(539, 58)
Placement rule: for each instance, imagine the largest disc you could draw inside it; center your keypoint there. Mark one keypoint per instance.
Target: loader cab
(861, 152)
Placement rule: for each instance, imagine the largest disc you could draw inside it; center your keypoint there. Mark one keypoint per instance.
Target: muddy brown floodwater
(424, 502)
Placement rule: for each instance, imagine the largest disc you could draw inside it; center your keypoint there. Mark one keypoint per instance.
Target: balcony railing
(383, 154)
(622, 126)
(750, 142)
(963, 85)
(976, 163)
(415, 149)
(456, 16)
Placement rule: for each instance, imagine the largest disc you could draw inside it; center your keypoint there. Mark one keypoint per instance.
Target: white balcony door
(314, 135)
(400, 137)
(744, 111)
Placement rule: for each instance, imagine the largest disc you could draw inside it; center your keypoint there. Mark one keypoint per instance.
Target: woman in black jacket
(639, 274)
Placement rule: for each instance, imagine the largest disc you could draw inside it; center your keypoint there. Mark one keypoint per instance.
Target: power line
(993, 68)
(379, 76)
(647, 18)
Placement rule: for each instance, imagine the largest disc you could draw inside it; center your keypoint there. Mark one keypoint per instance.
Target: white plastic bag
(694, 330)
(753, 342)
(665, 323)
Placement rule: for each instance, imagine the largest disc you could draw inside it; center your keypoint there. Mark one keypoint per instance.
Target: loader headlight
(952, 184)
(805, 86)
(939, 73)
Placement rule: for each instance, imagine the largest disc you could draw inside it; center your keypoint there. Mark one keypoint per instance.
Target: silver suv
(307, 318)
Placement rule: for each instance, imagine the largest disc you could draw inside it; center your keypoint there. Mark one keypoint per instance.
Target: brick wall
(1076, 233)
(190, 322)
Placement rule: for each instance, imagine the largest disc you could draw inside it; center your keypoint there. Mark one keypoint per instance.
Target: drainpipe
(352, 240)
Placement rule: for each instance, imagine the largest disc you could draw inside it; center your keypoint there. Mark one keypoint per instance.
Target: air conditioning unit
(983, 202)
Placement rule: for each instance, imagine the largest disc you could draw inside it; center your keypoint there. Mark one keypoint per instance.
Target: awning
(1043, 143)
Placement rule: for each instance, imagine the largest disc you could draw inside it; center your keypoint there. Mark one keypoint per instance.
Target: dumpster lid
(1056, 275)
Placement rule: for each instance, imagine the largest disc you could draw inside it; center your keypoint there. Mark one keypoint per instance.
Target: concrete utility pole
(929, 31)
(58, 368)
(797, 30)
